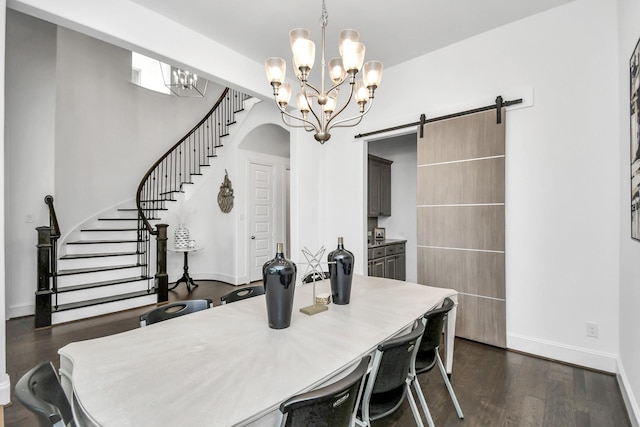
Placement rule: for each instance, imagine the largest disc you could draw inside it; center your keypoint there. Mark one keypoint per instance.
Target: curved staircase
(106, 264)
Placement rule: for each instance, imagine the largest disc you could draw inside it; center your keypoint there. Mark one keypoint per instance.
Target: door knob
(253, 237)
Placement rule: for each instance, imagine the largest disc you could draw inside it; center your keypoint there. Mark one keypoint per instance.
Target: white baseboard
(20, 311)
(5, 390)
(564, 353)
(628, 396)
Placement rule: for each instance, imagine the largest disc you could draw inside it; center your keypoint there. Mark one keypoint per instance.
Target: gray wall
(109, 131)
(29, 148)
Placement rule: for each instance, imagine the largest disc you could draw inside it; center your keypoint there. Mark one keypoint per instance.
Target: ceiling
(393, 32)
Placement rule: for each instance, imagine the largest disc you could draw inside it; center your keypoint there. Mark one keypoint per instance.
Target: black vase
(341, 273)
(279, 279)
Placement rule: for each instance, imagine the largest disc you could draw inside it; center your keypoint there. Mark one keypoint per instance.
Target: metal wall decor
(225, 195)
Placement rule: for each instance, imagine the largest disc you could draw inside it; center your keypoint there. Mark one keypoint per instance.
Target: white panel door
(261, 219)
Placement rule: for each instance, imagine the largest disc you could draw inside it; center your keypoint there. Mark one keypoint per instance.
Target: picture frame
(379, 233)
(634, 107)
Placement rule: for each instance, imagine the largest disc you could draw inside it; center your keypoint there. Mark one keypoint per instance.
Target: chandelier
(318, 108)
(185, 83)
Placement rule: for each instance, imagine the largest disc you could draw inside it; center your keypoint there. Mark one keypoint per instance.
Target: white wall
(108, 130)
(629, 373)
(29, 148)
(562, 196)
(224, 237)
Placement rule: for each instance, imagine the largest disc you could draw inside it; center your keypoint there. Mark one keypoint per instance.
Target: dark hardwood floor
(494, 387)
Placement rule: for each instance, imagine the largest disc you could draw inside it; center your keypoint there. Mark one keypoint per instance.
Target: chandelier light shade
(318, 108)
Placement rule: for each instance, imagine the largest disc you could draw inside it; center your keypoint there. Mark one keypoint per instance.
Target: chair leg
(412, 403)
(445, 377)
(423, 402)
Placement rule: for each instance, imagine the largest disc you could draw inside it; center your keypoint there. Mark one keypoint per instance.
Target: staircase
(100, 271)
(107, 264)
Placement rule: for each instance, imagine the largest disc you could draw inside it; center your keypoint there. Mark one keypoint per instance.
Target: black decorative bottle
(279, 279)
(341, 273)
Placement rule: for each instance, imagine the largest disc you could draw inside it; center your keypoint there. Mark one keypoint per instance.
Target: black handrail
(53, 219)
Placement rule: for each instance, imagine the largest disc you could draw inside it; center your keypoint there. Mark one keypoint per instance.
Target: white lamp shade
(330, 105)
(347, 36)
(298, 33)
(352, 56)
(296, 69)
(275, 69)
(303, 105)
(284, 94)
(336, 70)
(361, 92)
(372, 73)
(304, 53)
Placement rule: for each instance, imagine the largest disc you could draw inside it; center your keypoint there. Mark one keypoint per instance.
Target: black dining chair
(39, 390)
(391, 377)
(174, 309)
(242, 293)
(333, 405)
(428, 355)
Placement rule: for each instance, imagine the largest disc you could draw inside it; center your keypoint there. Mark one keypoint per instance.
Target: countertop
(385, 242)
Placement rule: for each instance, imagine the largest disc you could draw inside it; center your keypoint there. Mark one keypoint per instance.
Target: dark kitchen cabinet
(379, 191)
(388, 260)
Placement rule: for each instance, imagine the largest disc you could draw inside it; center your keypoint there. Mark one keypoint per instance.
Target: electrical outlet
(592, 330)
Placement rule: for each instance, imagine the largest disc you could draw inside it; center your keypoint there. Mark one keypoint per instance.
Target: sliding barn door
(460, 198)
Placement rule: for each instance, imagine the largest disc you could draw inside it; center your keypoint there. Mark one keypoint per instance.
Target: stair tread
(97, 255)
(97, 269)
(97, 242)
(97, 301)
(102, 283)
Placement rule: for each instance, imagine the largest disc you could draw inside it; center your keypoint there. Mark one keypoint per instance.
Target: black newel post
(43, 293)
(162, 278)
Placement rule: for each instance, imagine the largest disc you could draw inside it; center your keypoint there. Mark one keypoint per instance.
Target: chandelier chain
(324, 18)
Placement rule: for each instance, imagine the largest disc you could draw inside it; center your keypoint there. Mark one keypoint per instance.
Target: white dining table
(225, 367)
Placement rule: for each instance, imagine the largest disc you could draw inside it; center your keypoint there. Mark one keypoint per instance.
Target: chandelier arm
(359, 117)
(336, 114)
(337, 85)
(318, 120)
(303, 126)
(304, 85)
(305, 121)
(341, 125)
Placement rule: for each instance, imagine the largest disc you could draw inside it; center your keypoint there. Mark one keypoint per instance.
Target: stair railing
(47, 268)
(172, 171)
